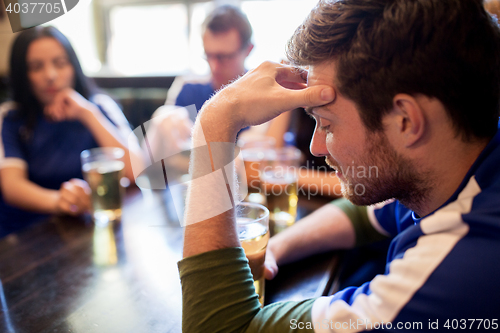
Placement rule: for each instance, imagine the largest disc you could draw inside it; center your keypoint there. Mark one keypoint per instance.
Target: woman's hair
(28, 105)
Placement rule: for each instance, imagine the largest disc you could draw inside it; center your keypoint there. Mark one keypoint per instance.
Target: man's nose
(318, 143)
(215, 65)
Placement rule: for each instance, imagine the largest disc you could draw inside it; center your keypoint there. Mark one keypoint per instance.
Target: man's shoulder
(196, 84)
(487, 173)
(187, 84)
(194, 80)
(485, 205)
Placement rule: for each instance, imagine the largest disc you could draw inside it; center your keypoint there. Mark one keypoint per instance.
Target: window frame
(103, 17)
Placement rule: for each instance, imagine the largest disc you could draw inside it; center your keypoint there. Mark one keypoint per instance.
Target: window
(163, 40)
(199, 11)
(149, 39)
(273, 23)
(78, 26)
(164, 37)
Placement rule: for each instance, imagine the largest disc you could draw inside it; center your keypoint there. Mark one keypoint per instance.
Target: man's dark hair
(447, 49)
(227, 17)
(28, 105)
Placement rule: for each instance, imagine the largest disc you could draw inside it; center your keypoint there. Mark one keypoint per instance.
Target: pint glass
(252, 221)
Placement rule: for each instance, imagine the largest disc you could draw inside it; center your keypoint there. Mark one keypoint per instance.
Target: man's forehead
(223, 40)
(321, 74)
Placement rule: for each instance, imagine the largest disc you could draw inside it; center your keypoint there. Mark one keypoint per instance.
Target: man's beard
(394, 176)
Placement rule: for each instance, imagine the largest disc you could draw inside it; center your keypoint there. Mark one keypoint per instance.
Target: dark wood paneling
(135, 82)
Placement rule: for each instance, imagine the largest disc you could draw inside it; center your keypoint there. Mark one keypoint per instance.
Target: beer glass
(104, 245)
(279, 176)
(252, 222)
(253, 151)
(103, 169)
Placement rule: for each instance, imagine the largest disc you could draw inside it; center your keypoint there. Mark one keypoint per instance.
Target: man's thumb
(317, 95)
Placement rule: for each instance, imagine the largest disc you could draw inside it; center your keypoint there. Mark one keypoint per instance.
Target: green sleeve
(218, 296)
(365, 232)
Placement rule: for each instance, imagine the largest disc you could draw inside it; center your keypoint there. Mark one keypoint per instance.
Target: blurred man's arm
(278, 127)
(335, 226)
(326, 229)
(174, 90)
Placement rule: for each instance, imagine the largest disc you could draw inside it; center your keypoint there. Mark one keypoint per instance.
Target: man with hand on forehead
(408, 87)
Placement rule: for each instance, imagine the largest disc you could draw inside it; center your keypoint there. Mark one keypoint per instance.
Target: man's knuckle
(267, 65)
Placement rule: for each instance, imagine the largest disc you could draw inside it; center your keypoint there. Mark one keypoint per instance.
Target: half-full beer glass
(103, 169)
(104, 244)
(252, 221)
(253, 151)
(279, 176)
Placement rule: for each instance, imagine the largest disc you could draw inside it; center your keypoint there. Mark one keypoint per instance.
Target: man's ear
(249, 49)
(408, 119)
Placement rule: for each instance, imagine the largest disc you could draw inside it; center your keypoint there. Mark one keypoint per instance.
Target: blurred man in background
(226, 41)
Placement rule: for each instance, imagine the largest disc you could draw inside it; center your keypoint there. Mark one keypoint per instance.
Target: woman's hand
(69, 105)
(74, 197)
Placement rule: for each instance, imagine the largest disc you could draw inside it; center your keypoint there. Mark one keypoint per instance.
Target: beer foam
(282, 178)
(103, 167)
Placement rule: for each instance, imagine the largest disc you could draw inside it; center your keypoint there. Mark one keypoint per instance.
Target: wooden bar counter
(65, 275)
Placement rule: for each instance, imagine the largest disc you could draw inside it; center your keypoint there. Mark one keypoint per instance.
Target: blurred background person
(55, 114)
(226, 35)
(227, 43)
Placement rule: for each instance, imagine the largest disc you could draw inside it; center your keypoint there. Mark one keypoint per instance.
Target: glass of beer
(103, 169)
(252, 221)
(253, 150)
(104, 245)
(279, 176)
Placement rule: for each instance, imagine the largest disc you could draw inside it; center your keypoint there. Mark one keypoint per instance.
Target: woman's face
(49, 69)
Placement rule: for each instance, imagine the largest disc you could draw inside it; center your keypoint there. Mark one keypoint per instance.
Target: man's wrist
(218, 120)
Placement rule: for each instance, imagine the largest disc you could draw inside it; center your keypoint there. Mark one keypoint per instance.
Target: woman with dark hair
(56, 113)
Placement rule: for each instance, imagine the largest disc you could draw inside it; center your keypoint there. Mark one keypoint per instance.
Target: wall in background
(6, 39)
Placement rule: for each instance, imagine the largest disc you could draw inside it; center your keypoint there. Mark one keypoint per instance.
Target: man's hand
(170, 131)
(262, 94)
(69, 105)
(74, 197)
(255, 98)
